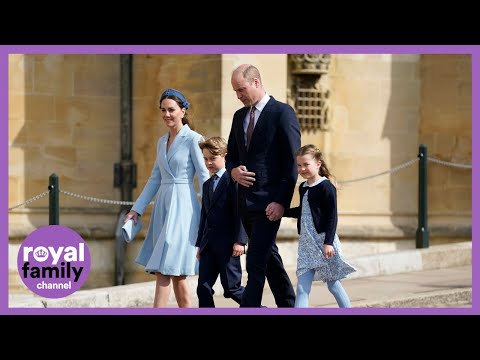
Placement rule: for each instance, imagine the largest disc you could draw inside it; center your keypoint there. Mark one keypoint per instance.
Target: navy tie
(211, 187)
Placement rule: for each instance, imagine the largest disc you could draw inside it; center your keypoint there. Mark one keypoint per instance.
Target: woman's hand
(131, 215)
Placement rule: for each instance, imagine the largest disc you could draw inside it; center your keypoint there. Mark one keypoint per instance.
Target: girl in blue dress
(319, 251)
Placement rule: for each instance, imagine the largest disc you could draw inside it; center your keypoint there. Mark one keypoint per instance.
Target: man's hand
(242, 176)
(274, 211)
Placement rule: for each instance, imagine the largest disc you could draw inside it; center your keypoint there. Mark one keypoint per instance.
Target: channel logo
(54, 261)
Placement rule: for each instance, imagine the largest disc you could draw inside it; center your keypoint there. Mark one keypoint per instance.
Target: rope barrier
(36, 197)
(117, 202)
(93, 199)
(399, 167)
(447, 163)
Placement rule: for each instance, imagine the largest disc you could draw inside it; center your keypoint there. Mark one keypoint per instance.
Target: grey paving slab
(378, 289)
(440, 282)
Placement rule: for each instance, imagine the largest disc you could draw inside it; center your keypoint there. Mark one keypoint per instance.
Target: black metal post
(422, 230)
(125, 175)
(53, 203)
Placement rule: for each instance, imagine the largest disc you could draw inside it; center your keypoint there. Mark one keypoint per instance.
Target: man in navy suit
(221, 238)
(263, 139)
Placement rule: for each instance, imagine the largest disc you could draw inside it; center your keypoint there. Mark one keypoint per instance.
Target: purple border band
(239, 49)
(234, 49)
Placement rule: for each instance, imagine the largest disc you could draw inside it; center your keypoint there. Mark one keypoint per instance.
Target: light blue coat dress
(169, 247)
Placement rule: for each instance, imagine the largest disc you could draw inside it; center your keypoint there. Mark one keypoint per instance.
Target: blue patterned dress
(310, 251)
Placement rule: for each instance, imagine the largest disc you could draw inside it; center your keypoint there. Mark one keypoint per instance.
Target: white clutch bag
(130, 230)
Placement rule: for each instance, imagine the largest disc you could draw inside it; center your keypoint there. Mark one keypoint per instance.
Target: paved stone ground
(449, 287)
(440, 276)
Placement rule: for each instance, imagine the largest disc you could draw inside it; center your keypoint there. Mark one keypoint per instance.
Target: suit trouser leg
(207, 276)
(260, 263)
(231, 277)
(278, 280)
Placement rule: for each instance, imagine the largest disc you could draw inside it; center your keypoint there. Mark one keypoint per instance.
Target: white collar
(305, 184)
(220, 172)
(262, 103)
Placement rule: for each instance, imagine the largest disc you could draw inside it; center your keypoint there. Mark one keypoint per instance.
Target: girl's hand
(328, 250)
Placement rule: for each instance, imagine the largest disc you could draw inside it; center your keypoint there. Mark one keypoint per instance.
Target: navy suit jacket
(271, 154)
(220, 225)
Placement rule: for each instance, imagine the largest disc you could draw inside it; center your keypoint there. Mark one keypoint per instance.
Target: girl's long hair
(311, 149)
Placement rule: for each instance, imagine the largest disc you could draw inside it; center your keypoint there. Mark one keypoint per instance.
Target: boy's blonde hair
(216, 145)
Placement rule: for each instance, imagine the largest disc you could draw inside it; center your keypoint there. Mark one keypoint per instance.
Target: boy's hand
(238, 249)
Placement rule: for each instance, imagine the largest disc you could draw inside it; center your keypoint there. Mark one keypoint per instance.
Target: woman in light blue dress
(319, 252)
(169, 248)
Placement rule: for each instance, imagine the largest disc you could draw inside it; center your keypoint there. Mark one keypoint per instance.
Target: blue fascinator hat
(178, 94)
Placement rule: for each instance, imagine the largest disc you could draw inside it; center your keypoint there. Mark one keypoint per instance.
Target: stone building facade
(372, 110)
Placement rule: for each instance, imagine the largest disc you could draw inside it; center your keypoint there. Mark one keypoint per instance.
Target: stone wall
(446, 128)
